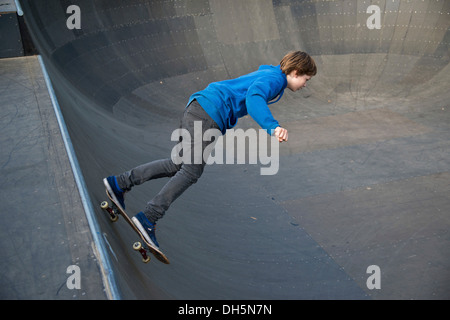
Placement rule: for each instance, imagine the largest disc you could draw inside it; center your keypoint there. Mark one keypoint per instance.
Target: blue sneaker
(146, 228)
(114, 190)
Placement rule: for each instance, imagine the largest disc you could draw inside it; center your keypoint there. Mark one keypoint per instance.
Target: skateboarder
(218, 107)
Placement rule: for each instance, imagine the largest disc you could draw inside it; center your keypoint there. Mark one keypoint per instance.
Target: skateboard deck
(114, 211)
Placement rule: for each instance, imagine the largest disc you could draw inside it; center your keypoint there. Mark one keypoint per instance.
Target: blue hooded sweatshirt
(227, 101)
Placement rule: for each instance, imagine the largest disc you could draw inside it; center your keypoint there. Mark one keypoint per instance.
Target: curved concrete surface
(364, 179)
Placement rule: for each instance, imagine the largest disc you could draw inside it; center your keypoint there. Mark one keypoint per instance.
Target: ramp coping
(102, 255)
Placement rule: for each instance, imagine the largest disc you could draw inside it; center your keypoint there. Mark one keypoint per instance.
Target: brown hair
(299, 61)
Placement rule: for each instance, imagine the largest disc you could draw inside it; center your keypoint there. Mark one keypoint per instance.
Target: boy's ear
(294, 74)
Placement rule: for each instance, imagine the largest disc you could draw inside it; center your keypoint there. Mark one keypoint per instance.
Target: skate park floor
(44, 229)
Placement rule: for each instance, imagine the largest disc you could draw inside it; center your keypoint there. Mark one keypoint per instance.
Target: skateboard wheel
(138, 247)
(113, 216)
(104, 205)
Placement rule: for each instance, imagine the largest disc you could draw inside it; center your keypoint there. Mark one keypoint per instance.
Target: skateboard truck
(138, 247)
(113, 214)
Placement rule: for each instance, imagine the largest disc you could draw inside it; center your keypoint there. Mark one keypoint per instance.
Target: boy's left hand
(281, 134)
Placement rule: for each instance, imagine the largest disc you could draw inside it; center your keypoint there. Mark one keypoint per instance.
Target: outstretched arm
(259, 93)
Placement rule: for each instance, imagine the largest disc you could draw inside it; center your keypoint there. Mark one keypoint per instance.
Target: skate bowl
(359, 208)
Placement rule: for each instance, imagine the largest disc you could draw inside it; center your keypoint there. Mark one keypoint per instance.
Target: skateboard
(114, 210)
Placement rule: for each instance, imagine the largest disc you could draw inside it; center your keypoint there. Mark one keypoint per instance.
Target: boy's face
(297, 82)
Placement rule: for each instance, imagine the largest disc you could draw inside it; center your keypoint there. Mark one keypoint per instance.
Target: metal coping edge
(105, 263)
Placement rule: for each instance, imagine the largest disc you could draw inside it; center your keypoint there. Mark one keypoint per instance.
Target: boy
(218, 107)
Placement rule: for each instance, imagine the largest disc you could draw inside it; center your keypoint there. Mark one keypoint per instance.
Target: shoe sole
(111, 193)
(144, 233)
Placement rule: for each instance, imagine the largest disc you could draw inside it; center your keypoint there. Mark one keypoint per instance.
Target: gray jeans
(182, 176)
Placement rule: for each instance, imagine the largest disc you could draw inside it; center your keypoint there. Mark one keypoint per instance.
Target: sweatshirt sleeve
(258, 96)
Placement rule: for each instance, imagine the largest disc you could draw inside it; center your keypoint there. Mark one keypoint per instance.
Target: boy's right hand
(281, 134)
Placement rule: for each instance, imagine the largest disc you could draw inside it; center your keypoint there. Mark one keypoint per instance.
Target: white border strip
(105, 264)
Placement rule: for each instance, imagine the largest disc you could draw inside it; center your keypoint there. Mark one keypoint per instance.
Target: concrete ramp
(364, 179)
